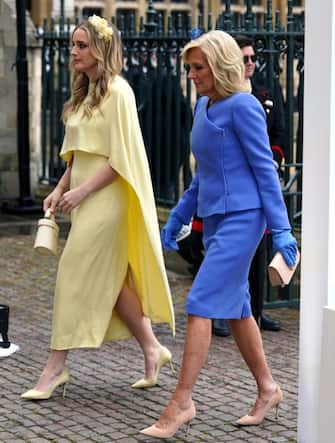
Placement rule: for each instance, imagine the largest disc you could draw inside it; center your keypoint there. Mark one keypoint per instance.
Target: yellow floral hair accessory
(101, 26)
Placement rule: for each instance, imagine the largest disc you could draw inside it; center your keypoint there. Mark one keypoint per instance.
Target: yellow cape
(115, 133)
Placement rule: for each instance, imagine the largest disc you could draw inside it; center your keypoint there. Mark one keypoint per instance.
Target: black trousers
(257, 276)
(4, 314)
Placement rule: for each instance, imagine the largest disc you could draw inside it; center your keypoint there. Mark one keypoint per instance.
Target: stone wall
(68, 8)
(9, 177)
(8, 152)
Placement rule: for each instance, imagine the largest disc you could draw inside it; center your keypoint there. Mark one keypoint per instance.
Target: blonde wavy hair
(225, 61)
(108, 54)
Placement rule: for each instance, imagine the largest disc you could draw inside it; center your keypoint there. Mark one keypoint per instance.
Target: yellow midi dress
(114, 235)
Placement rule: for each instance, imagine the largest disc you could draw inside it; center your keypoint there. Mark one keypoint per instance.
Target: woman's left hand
(284, 242)
(71, 199)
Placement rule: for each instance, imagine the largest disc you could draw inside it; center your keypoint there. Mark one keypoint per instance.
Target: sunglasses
(246, 59)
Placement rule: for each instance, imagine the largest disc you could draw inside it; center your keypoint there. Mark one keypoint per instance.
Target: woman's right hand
(50, 202)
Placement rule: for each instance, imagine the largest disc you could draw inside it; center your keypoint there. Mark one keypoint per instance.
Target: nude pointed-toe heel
(184, 417)
(259, 415)
(164, 358)
(34, 394)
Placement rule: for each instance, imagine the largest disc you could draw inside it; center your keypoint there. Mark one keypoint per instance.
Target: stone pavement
(100, 405)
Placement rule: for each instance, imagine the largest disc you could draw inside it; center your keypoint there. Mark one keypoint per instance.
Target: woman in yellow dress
(111, 281)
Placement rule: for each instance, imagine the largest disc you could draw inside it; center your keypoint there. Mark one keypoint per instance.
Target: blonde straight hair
(225, 61)
(108, 54)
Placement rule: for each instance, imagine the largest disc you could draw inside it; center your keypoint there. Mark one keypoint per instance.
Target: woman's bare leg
(249, 341)
(197, 342)
(53, 368)
(129, 309)
(139, 325)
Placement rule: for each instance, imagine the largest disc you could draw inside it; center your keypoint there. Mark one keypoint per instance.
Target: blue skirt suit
(236, 191)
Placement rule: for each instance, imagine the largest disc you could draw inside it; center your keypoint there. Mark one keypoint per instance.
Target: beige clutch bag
(46, 240)
(279, 273)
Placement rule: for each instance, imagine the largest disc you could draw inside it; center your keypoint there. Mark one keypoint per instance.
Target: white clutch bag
(46, 240)
(279, 273)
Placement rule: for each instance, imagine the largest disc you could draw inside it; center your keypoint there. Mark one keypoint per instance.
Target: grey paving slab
(100, 405)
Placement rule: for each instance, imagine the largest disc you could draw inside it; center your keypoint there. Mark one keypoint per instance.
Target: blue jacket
(235, 169)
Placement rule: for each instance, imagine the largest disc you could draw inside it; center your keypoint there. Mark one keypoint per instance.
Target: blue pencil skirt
(221, 288)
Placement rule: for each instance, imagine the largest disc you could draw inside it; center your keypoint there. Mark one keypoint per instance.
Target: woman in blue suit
(236, 191)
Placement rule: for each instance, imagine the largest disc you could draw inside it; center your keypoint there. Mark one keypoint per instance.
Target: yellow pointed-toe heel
(184, 417)
(164, 358)
(259, 415)
(34, 394)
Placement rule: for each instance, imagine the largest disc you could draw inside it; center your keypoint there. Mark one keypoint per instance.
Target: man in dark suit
(273, 104)
(271, 100)
(191, 249)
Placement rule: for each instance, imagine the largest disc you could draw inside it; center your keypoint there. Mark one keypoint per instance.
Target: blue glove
(170, 231)
(284, 242)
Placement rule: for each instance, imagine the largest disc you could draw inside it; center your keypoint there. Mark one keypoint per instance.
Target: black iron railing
(153, 66)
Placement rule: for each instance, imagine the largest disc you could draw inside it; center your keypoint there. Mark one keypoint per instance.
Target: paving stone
(100, 405)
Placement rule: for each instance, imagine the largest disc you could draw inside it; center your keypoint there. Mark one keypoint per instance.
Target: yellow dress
(114, 232)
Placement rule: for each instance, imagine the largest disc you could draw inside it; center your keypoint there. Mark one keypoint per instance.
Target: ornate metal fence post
(63, 82)
(289, 82)
(151, 23)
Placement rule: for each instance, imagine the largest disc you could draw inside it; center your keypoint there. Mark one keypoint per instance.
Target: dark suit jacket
(273, 105)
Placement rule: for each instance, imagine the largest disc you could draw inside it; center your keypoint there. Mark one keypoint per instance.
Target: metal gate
(153, 66)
